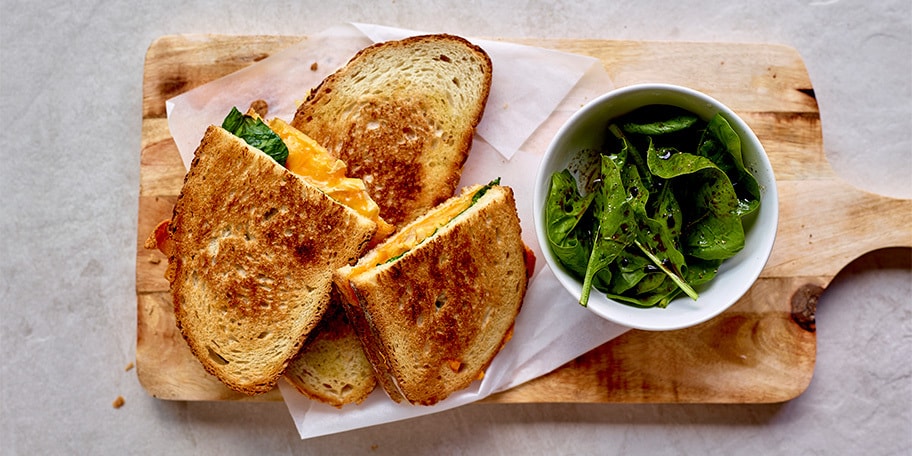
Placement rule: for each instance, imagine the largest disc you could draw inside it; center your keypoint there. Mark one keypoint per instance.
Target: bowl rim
(769, 204)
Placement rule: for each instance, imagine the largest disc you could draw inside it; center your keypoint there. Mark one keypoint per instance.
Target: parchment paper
(533, 92)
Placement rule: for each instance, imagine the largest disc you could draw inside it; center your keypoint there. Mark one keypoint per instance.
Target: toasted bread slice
(332, 367)
(437, 301)
(402, 115)
(253, 250)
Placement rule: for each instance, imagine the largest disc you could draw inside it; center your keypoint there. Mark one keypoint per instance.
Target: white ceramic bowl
(587, 129)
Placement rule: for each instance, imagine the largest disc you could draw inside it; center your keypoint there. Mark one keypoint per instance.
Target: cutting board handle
(835, 223)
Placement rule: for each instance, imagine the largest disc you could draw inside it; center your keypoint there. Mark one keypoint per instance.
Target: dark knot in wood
(804, 306)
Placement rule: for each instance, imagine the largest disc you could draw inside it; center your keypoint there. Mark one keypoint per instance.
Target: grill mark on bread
(457, 274)
(387, 166)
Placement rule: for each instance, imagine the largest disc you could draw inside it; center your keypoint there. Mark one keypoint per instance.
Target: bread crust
(402, 115)
(432, 321)
(254, 247)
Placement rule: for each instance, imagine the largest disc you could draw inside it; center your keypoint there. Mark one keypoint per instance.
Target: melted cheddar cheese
(312, 162)
(414, 234)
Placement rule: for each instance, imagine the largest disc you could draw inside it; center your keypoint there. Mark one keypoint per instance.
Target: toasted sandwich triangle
(254, 247)
(432, 320)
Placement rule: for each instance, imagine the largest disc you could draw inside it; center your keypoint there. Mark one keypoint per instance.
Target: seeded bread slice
(254, 247)
(402, 115)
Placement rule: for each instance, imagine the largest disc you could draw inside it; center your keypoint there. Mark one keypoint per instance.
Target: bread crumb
(260, 107)
(506, 106)
(374, 447)
(119, 402)
(154, 259)
(313, 66)
(129, 367)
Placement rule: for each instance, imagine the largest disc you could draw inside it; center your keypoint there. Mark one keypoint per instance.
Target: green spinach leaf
(722, 145)
(563, 211)
(256, 133)
(630, 268)
(628, 153)
(613, 219)
(661, 127)
(715, 230)
(481, 191)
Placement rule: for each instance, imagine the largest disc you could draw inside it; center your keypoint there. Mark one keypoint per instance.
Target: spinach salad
(656, 210)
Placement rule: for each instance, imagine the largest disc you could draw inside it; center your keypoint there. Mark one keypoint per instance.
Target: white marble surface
(70, 95)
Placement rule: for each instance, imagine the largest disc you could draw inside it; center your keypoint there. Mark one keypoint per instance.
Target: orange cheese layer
(317, 166)
(414, 234)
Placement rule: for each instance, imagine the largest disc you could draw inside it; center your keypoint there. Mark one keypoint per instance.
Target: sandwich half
(252, 247)
(435, 302)
(402, 115)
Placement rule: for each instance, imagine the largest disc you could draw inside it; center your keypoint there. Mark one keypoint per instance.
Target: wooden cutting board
(761, 350)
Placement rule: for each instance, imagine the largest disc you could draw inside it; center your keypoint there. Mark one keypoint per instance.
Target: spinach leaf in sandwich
(256, 133)
(481, 191)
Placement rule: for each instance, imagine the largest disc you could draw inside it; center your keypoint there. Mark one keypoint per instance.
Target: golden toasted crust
(433, 320)
(332, 367)
(254, 247)
(402, 115)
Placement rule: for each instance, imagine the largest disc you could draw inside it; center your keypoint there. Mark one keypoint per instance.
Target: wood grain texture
(761, 350)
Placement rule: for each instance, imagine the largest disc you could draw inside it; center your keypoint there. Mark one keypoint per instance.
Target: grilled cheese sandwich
(436, 302)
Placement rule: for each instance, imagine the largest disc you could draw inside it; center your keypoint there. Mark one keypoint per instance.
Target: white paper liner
(533, 92)
(551, 320)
